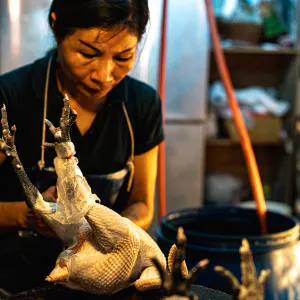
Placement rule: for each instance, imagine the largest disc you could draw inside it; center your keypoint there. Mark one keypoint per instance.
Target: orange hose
(253, 171)
(162, 91)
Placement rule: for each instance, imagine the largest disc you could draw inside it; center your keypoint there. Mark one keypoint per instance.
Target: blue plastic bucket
(216, 233)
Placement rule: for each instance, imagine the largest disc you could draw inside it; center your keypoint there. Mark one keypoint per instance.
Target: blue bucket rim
(258, 242)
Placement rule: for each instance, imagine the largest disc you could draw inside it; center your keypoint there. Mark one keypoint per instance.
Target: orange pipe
(162, 92)
(253, 171)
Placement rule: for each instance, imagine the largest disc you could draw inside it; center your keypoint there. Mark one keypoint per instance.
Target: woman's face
(95, 60)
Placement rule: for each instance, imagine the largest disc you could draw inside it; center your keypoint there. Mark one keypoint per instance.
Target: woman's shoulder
(20, 82)
(139, 88)
(142, 96)
(16, 79)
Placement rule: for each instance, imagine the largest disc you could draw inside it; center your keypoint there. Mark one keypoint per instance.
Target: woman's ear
(53, 16)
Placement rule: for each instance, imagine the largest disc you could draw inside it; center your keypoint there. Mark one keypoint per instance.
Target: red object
(253, 171)
(162, 91)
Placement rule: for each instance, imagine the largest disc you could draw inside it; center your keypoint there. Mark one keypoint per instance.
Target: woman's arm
(2, 158)
(140, 208)
(10, 211)
(10, 214)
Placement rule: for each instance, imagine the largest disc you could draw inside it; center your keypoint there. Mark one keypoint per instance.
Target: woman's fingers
(36, 223)
(50, 195)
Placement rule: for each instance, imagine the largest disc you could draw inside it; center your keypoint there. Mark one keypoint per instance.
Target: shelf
(259, 67)
(229, 142)
(224, 156)
(260, 50)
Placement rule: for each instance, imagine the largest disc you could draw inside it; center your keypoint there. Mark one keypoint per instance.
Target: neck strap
(41, 162)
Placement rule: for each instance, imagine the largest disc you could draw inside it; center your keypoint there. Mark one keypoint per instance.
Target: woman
(117, 132)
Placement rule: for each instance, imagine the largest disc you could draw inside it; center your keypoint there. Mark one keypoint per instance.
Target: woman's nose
(103, 72)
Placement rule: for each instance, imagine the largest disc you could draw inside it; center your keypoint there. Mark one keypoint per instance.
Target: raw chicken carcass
(106, 252)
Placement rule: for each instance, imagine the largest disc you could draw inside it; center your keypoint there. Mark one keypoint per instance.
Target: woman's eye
(123, 58)
(88, 55)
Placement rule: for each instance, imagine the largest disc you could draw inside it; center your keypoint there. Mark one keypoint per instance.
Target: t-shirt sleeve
(150, 132)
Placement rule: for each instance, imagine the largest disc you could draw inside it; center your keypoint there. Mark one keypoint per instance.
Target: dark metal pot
(216, 233)
(50, 292)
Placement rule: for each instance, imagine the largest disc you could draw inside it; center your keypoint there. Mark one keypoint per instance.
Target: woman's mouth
(100, 89)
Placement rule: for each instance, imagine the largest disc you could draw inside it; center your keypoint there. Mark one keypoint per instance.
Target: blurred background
(204, 160)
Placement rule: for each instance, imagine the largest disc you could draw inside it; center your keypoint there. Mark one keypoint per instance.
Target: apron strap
(41, 162)
(130, 162)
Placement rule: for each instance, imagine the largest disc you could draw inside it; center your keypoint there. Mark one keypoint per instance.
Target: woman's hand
(50, 195)
(28, 219)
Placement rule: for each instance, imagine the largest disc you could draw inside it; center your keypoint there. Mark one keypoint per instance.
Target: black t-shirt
(104, 148)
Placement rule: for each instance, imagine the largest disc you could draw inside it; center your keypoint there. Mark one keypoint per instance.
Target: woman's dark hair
(73, 14)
